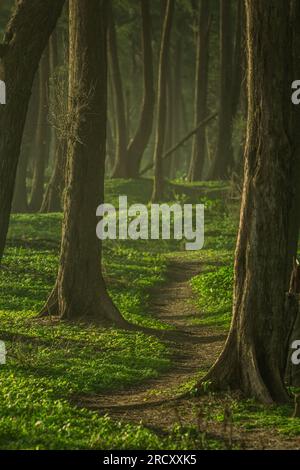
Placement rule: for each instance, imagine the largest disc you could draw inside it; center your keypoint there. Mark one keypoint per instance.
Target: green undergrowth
(51, 365)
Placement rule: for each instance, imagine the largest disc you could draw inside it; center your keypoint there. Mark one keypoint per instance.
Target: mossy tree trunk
(255, 353)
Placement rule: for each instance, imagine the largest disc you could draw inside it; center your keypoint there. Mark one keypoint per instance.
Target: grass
(49, 364)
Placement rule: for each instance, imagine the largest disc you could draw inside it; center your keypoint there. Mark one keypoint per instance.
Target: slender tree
(162, 101)
(139, 142)
(223, 161)
(255, 353)
(80, 290)
(201, 90)
(121, 168)
(32, 22)
(42, 137)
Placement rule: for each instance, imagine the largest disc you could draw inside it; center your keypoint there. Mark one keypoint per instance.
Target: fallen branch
(182, 141)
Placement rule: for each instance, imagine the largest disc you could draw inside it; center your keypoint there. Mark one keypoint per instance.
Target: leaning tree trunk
(42, 140)
(255, 353)
(139, 142)
(121, 167)
(162, 102)
(31, 23)
(80, 290)
(201, 89)
(224, 153)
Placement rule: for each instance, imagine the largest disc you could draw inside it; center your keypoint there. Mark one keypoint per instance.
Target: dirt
(157, 403)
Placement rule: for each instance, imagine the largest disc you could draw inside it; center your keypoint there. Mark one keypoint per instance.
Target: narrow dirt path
(193, 348)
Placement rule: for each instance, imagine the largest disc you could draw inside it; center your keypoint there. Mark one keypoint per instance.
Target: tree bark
(32, 22)
(201, 91)
(223, 161)
(139, 142)
(158, 184)
(255, 353)
(80, 291)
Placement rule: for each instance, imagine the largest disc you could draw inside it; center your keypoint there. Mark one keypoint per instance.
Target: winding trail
(193, 347)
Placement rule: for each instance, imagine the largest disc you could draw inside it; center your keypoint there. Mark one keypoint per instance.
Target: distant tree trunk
(20, 200)
(237, 59)
(23, 28)
(52, 201)
(224, 153)
(158, 185)
(169, 134)
(80, 290)
(139, 142)
(42, 143)
(255, 353)
(201, 91)
(121, 165)
(177, 100)
(53, 63)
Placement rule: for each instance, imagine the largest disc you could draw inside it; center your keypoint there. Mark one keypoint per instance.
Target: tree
(139, 142)
(42, 136)
(223, 161)
(162, 101)
(254, 356)
(80, 290)
(32, 22)
(121, 168)
(201, 90)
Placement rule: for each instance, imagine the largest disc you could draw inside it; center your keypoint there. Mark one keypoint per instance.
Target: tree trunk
(201, 91)
(80, 291)
(255, 354)
(237, 60)
(52, 201)
(20, 202)
(42, 143)
(138, 144)
(162, 102)
(32, 22)
(121, 166)
(224, 153)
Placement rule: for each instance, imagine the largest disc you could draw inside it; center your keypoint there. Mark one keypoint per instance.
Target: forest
(149, 225)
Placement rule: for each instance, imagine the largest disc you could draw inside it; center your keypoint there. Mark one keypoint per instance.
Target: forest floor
(77, 386)
(161, 402)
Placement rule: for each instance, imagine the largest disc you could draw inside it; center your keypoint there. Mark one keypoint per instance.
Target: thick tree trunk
(80, 291)
(224, 153)
(138, 144)
(32, 22)
(42, 142)
(255, 354)
(201, 84)
(121, 165)
(158, 185)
